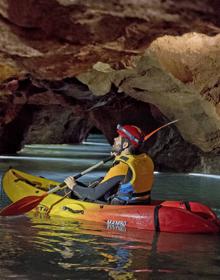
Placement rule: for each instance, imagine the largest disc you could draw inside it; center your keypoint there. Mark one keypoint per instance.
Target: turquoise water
(40, 248)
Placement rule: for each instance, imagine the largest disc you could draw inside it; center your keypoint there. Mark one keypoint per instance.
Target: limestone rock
(53, 125)
(158, 59)
(171, 76)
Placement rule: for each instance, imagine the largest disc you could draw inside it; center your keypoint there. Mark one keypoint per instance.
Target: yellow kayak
(18, 184)
(166, 216)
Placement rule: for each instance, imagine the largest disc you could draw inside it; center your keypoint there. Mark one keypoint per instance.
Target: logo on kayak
(42, 209)
(116, 225)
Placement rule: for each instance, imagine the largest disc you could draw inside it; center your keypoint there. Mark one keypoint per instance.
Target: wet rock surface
(69, 66)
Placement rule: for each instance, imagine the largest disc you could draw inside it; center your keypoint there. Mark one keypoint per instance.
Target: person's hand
(70, 182)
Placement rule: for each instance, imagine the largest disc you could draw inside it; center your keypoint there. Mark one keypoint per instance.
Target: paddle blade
(159, 128)
(22, 206)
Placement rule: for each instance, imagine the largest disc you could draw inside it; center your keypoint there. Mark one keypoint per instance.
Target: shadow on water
(41, 248)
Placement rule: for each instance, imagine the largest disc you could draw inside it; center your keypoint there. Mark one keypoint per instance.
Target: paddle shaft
(82, 173)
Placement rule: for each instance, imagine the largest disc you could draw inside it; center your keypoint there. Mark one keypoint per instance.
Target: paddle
(27, 203)
(159, 128)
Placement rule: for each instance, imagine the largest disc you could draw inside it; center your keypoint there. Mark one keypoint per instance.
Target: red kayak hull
(166, 216)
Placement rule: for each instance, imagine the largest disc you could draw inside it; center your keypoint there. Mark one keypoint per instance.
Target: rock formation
(68, 66)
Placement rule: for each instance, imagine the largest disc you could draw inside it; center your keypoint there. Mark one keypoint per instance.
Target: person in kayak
(129, 180)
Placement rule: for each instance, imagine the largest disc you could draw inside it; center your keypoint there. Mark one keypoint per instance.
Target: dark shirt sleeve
(98, 191)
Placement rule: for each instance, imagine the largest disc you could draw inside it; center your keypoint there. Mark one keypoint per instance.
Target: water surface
(42, 248)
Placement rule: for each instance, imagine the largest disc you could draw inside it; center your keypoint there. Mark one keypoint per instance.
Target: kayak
(163, 216)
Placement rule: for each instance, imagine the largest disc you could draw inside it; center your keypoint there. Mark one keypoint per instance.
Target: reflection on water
(42, 248)
(61, 249)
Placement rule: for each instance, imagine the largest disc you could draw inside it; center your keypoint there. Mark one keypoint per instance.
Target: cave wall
(67, 66)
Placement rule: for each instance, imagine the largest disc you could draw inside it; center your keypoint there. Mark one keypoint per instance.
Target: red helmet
(132, 133)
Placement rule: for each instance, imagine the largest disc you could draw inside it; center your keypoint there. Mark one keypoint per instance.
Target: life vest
(141, 181)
